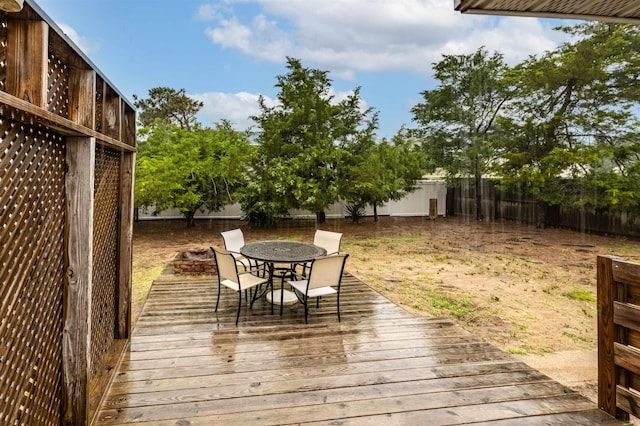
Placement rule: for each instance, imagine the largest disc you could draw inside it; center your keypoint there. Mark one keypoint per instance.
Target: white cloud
(261, 39)
(235, 107)
(88, 46)
(238, 107)
(347, 36)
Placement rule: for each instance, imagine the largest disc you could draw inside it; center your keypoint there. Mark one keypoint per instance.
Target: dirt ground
(529, 291)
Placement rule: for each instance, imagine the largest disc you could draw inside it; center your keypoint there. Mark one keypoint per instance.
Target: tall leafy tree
(169, 106)
(457, 119)
(189, 170)
(574, 118)
(302, 141)
(380, 172)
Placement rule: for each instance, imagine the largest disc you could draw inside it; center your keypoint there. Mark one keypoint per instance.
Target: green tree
(573, 120)
(169, 106)
(456, 120)
(380, 172)
(302, 141)
(189, 170)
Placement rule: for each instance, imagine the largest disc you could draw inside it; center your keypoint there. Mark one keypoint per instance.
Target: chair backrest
(226, 265)
(330, 241)
(233, 240)
(327, 271)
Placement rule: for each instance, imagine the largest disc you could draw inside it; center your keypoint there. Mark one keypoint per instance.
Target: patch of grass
(516, 351)
(461, 307)
(578, 294)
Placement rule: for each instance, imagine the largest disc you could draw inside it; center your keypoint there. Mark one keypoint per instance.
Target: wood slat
(628, 400)
(626, 272)
(626, 315)
(380, 365)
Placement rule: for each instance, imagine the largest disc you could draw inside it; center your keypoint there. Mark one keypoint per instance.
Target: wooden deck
(188, 365)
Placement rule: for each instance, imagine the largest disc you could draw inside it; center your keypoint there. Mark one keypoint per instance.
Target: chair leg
(239, 306)
(306, 314)
(338, 303)
(218, 300)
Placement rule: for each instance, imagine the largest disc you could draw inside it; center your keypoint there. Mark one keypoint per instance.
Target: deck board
(187, 364)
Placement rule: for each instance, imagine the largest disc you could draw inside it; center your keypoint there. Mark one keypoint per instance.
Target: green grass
(577, 294)
(461, 307)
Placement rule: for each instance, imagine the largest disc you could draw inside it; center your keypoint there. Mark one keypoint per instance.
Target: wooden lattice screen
(32, 198)
(66, 166)
(105, 253)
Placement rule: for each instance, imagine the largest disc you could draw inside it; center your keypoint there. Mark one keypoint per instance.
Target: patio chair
(229, 276)
(233, 241)
(330, 241)
(325, 278)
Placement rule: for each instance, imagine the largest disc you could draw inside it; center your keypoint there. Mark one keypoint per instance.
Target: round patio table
(282, 252)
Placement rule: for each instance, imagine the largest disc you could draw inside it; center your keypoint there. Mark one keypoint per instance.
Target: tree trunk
(375, 212)
(541, 214)
(478, 187)
(321, 217)
(191, 221)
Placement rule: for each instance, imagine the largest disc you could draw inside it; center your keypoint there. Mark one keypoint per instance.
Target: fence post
(607, 371)
(76, 333)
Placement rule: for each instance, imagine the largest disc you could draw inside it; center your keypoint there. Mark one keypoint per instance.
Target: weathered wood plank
(60, 124)
(607, 371)
(496, 402)
(625, 272)
(82, 97)
(27, 51)
(125, 246)
(380, 365)
(626, 315)
(628, 400)
(77, 291)
(627, 357)
(586, 417)
(324, 389)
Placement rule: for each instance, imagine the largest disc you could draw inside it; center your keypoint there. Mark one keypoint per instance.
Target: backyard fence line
(516, 206)
(416, 203)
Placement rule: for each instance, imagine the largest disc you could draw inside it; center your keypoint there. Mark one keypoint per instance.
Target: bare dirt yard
(531, 292)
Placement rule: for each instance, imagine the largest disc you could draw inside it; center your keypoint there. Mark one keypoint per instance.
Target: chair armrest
(300, 276)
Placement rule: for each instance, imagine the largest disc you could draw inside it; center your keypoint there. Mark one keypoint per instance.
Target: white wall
(414, 204)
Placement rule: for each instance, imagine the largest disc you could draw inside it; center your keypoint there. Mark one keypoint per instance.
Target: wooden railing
(618, 336)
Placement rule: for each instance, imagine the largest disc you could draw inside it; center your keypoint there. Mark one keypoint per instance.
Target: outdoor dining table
(281, 252)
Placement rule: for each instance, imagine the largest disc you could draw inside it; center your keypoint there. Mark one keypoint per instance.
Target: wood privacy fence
(66, 168)
(618, 336)
(513, 205)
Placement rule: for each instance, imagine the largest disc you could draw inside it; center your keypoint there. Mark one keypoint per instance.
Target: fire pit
(194, 262)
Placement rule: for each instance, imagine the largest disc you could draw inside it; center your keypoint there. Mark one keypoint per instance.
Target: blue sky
(227, 53)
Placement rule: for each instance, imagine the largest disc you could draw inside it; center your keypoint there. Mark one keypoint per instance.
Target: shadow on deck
(188, 365)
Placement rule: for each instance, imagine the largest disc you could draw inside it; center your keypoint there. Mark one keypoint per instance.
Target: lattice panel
(58, 87)
(105, 253)
(32, 214)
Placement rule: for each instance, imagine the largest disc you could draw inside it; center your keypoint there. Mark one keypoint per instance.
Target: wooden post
(123, 314)
(607, 371)
(76, 334)
(82, 97)
(27, 61)
(433, 208)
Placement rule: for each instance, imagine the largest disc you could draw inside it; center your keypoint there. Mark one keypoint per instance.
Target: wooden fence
(513, 205)
(66, 208)
(618, 336)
